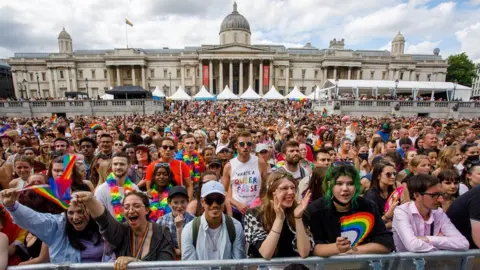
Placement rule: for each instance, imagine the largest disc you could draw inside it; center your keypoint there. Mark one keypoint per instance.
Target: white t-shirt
(102, 193)
(462, 189)
(213, 236)
(245, 180)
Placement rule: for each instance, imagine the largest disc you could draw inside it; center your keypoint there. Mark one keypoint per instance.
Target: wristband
(275, 232)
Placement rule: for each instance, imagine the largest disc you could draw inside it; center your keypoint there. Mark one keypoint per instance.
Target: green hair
(333, 173)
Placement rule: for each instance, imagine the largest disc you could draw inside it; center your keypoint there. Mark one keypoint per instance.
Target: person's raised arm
(303, 241)
(3, 251)
(94, 206)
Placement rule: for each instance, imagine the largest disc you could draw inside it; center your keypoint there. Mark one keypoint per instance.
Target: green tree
(461, 69)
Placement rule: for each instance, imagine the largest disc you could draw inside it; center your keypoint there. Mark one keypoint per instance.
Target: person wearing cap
(217, 236)
(176, 220)
(215, 166)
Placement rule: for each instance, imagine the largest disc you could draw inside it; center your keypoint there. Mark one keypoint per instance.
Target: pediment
(235, 48)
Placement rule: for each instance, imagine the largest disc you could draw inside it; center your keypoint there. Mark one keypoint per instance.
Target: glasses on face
(135, 207)
(287, 188)
(391, 174)
(245, 144)
(162, 165)
(179, 203)
(168, 147)
(210, 200)
(118, 144)
(435, 195)
(263, 152)
(225, 152)
(189, 143)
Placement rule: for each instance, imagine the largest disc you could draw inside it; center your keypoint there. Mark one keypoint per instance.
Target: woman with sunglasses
(162, 181)
(276, 229)
(471, 177)
(140, 163)
(135, 240)
(449, 180)
(382, 185)
(342, 198)
(117, 146)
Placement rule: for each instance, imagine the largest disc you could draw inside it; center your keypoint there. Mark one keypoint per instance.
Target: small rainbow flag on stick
(47, 193)
(65, 181)
(356, 227)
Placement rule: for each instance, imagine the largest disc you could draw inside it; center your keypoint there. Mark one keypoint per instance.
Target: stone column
(200, 66)
(118, 76)
(68, 78)
(349, 73)
(16, 87)
(413, 76)
(109, 79)
(74, 80)
(133, 76)
(230, 75)
(50, 82)
(220, 75)
(55, 78)
(182, 75)
(325, 70)
(250, 73)
(210, 77)
(287, 80)
(270, 75)
(334, 73)
(240, 83)
(260, 79)
(358, 74)
(396, 74)
(144, 81)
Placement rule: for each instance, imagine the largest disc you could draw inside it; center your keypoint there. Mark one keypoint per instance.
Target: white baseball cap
(260, 147)
(212, 187)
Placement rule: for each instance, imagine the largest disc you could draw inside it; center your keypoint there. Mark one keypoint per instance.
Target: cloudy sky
(33, 25)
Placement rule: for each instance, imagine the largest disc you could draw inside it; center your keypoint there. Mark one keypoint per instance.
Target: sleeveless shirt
(245, 180)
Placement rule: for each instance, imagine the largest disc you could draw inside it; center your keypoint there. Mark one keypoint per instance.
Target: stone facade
(476, 82)
(6, 83)
(235, 62)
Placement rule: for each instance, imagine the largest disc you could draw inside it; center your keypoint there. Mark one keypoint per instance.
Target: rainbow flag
(64, 183)
(54, 118)
(48, 194)
(94, 126)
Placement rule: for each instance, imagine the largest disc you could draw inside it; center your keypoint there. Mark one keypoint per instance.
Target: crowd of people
(211, 181)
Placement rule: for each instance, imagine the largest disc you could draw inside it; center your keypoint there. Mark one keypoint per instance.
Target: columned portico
(50, 82)
(133, 76)
(220, 77)
(250, 73)
(260, 79)
(144, 83)
(210, 77)
(67, 70)
(118, 76)
(230, 75)
(240, 84)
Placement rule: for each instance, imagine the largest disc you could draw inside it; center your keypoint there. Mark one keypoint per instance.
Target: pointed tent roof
(227, 94)
(203, 94)
(296, 94)
(180, 95)
(157, 92)
(250, 94)
(273, 94)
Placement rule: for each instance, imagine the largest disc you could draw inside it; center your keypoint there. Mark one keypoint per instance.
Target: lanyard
(136, 252)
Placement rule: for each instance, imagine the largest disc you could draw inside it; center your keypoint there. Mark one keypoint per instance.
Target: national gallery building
(235, 62)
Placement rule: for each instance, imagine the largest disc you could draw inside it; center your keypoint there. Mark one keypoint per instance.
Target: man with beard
(291, 151)
(116, 180)
(87, 148)
(245, 175)
(421, 225)
(192, 159)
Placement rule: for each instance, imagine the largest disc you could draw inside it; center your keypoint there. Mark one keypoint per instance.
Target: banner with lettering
(266, 69)
(205, 76)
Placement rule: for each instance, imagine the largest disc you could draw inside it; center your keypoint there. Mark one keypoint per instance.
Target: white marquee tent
(295, 94)
(227, 94)
(180, 95)
(320, 94)
(157, 93)
(203, 94)
(250, 94)
(273, 94)
(107, 97)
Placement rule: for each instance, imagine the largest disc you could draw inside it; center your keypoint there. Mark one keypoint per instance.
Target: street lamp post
(396, 86)
(170, 89)
(336, 88)
(38, 85)
(86, 85)
(454, 89)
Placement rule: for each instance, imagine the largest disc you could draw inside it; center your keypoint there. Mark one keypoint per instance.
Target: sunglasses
(435, 195)
(162, 164)
(210, 200)
(225, 152)
(243, 144)
(118, 144)
(264, 152)
(167, 147)
(390, 174)
(214, 166)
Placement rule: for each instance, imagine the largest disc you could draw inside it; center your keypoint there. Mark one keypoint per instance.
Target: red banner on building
(205, 76)
(266, 70)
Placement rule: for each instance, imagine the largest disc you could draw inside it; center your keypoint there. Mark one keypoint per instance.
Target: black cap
(177, 190)
(215, 161)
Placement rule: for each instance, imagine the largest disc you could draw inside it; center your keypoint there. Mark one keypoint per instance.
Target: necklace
(137, 249)
(117, 197)
(159, 208)
(214, 243)
(193, 163)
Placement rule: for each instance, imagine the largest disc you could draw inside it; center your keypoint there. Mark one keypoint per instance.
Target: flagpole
(126, 34)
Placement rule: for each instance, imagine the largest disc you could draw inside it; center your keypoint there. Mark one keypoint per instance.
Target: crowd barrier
(437, 260)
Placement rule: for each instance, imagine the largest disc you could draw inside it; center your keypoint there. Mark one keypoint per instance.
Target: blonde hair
(103, 171)
(445, 156)
(416, 161)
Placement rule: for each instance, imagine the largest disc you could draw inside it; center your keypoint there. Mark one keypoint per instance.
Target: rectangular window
(104, 74)
(418, 77)
(152, 73)
(281, 73)
(80, 74)
(31, 76)
(198, 72)
(188, 73)
(94, 76)
(61, 74)
(178, 73)
(384, 75)
(316, 74)
(372, 75)
(44, 76)
(401, 75)
(165, 73)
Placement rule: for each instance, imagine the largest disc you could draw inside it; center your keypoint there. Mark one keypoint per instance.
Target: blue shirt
(168, 221)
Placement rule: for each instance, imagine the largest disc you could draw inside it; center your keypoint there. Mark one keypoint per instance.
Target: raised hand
(179, 221)
(277, 207)
(298, 212)
(9, 196)
(81, 196)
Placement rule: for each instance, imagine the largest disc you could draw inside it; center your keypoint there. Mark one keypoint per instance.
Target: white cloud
(469, 39)
(425, 47)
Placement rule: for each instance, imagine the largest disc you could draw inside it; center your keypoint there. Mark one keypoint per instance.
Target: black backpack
(230, 229)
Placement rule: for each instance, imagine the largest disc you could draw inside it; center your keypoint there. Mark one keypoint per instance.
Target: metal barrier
(441, 260)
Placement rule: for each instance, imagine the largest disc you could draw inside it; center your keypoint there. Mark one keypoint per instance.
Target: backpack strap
(230, 229)
(195, 228)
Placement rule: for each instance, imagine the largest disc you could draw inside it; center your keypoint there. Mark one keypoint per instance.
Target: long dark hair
(316, 182)
(166, 166)
(75, 237)
(77, 180)
(377, 173)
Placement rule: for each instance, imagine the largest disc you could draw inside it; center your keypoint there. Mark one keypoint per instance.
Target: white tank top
(245, 180)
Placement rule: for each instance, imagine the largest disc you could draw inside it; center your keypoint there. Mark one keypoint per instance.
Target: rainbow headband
(356, 227)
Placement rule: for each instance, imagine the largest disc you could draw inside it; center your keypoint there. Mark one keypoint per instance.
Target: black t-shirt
(464, 209)
(324, 223)
(373, 195)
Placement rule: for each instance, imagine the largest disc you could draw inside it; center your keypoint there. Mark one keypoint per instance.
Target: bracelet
(298, 217)
(275, 231)
(389, 218)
